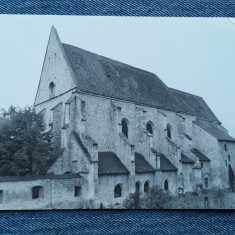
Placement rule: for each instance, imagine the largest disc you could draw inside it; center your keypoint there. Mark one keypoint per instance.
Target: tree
(25, 148)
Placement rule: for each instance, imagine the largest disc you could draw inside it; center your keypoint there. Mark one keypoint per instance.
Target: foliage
(25, 148)
(133, 201)
(195, 194)
(155, 198)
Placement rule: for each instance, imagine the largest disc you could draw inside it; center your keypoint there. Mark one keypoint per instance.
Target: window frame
(77, 191)
(37, 192)
(146, 186)
(51, 90)
(166, 185)
(125, 127)
(149, 130)
(119, 193)
(169, 131)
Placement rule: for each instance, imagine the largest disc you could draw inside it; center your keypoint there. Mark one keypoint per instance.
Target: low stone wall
(43, 192)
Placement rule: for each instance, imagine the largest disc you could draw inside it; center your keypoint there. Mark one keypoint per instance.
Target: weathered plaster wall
(55, 69)
(208, 145)
(57, 194)
(106, 187)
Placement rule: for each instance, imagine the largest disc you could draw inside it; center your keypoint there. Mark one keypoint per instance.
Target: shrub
(156, 198)
(195, 193)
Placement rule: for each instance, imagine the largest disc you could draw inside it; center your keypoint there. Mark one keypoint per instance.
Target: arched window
(168, 131)
(51, 90)
(166, 186)
(225, 147)
(118, 191)
(149, 128)
(137, 187)
(125, 127)
(229, 159)
(37, 192)
(146, 187)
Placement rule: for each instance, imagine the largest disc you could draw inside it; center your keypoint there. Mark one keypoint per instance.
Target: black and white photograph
(116, 113)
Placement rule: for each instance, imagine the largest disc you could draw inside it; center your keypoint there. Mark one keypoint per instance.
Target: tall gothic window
(149, 128)
(118, 191)
(51, 90)
(168, 131)
(146, 187)
(137, 187)
(225, 147)
(125, 128)
(166, 186)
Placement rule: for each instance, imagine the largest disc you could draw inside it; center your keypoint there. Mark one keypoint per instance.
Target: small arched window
(166, 186)
(125, 127)
(146, 187)
(229, 159)
(225, 147)
(51, 90)
(149, 128)
(118, 191)
(137, 187)
(168, 131)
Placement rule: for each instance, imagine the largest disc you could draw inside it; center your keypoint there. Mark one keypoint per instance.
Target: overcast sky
(196, 55)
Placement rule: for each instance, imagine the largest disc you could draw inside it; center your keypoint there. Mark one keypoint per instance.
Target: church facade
(123, 130)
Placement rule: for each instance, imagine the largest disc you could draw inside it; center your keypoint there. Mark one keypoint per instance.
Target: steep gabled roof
(141, 165)
(185, 159)
(103, 76)
(200, 155)
(214, 130)
(109, 163)
(194, 104)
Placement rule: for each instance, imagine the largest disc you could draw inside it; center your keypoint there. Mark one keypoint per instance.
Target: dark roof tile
(165, 164)
(200, 155)
(141, 165)
(109, 163)
(214, 130)
(185, 159)
(193, 104)
(103, 76)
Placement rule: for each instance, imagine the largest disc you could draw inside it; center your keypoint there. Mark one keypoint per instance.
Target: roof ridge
(185, 92)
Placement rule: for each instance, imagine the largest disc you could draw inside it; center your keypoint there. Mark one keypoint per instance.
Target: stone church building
(122, 130)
